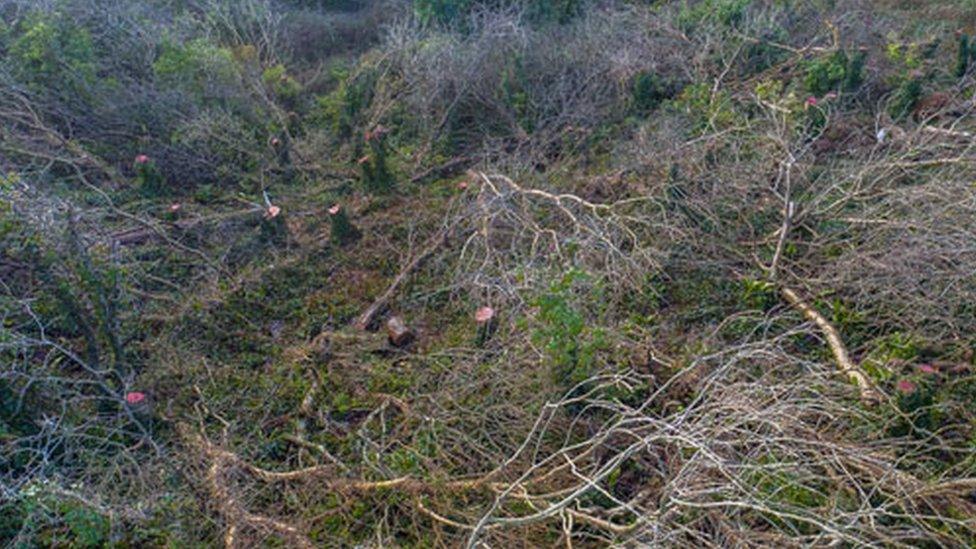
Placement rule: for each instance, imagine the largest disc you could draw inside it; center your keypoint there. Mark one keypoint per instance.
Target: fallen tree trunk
(137, 235)
(366, 318)
(869, 393)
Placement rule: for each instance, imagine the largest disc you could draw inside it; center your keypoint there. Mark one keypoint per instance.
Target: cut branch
(869, 393)
(137, 235)
(367, 317)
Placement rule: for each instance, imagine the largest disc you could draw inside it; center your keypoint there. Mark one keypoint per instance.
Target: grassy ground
(634, 189)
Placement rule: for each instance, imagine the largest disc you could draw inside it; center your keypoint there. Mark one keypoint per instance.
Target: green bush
(198, 66)
(88, 528)
(569, 342)
(148, 177)
(965, 54)
(344, 108)
(758, 294)
(706, 109)
(57, 521)
(763, 54)
(559, 11)
(728, 13)
(836, 71)
(905, 98)
(513, 89)
(647, 92)
(854, 72)
(452, 12)
(52, 51)
(377, 177)
(283, 86)
(440, 11)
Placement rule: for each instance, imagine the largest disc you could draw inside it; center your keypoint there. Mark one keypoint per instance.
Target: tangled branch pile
(690, 273)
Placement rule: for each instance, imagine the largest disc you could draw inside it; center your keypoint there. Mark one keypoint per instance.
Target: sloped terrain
(441, 273)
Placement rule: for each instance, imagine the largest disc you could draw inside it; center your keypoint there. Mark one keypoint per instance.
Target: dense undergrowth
(676, 273)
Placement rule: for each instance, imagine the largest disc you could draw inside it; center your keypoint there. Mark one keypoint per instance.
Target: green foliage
(57, 521)
(52, 51)
(452, 12)
(285, 87)
(513, 89)
(149, 179)
(242, 328)
(850, 321)
(90, 296)
(76, 290)
(706, 109)
(440, 11)
(762, 54)
(758, 294)
(377, 177)
(777, 483)
(899, 346)
(559, 11)
(198, 66)
(908, 81)
(907, 56)
(569, 342)
(87, 527)
(647, 92)
(728, 13)
(344, 108)
(854, 73)
(917, 401)
(836, 71)
(965, 54)
(905, 98)
(887, 351)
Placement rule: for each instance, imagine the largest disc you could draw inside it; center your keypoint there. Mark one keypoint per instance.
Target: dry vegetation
(670, 273)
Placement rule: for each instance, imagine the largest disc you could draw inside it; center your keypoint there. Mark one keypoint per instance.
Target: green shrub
(49, 51)
(440, 11)
(148, 177)
(452, 12)
(513, 86)
(965, 54)
(854, 73)
(834, 72)
(56, 521)
(762, 54)
(728, 13)
(283, 86)
(905, 98)
(87, 527)
(377, 177)
(569, 342)
(198, 66)
(558, 11)
(758, 294)
(706, 109)
(343, 109)
(647, 92)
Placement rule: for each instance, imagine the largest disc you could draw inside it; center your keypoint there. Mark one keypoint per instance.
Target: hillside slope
(440, 273)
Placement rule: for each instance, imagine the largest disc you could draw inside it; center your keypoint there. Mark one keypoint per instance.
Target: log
(869, 393)
(366, 318)
(137, 235)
